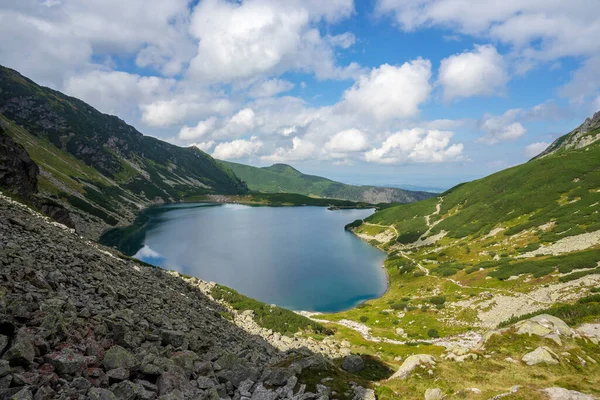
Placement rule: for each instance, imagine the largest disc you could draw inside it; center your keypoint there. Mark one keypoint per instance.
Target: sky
(428, 93)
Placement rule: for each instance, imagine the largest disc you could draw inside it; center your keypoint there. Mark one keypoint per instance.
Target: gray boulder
(353, 363)
(411, 363)
(558, 393)
(22, 351)
(434, 394)
(173, 338)
(100, 394)
(541, 355)
(66, 361)
(119, 357)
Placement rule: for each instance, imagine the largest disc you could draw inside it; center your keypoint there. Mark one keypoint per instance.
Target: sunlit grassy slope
(282, 178)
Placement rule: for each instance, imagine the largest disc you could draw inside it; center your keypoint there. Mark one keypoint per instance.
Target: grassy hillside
(487, 253)
(282, 178)
(95, 163)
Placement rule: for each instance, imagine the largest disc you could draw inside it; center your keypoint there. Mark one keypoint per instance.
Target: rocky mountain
(282, 178)
(96, 165)
(583, 135)
(79, 322)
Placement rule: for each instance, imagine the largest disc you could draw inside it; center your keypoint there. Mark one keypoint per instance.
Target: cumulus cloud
(179, 108)
(348, 141)
(109, 91)
(201, 129)
(534, 149)
(480, 72)
(301, 150)
(244, 40)
(390, 92)
(541, 30)
(270, 87)
(585, 84)
(237, 148)
(60, 37)
(416, 145)
(205, 146)
(502, 128)
(509, 126)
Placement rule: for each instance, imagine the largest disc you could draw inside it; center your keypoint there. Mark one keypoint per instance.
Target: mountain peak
(582, 136)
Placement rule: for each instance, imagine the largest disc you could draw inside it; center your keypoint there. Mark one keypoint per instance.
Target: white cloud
(201, 129)
(538, 30)
(180, 108)
(348, 141)
(271, 87)
(585, 84)
(344, 40)
(390, 92)
(534, 149)
(256, 37)
(205, 146)
(237, 148)
(301, 150)
(502, 128)
(109, 91)
(416, 145)
(480, 72)
(147, 252)
(61, 36)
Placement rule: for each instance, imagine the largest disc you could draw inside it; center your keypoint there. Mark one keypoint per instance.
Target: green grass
(560, 188)
(282, 178)
(271, 317)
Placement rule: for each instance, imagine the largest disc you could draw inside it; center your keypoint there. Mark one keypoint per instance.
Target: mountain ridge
(284, 178)
(95, 164)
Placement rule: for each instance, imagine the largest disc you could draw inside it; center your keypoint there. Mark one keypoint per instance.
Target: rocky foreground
(77, 322)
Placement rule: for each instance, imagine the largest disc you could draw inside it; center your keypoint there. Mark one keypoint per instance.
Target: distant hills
(282, 178)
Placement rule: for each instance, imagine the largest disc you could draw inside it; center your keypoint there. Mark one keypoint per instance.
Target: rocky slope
(78, 322)
(95, 164)
(583, 135)
(282, 178)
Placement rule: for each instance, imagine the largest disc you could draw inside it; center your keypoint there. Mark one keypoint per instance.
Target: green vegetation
(543, 266)
(518, 198)
(271, 317)
(282, 178)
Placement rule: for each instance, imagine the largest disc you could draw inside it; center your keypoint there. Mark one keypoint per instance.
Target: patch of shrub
(437, 300)
(418, 273)
(275, 318)
(576, 275)
(364, 318)
(400, 305)
(433, 333)
(353, 224)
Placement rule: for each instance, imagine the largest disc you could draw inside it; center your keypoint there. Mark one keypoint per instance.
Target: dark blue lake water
(296, 257)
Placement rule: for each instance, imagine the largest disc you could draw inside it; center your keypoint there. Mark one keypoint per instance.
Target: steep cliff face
(18, 172)
(582, 136)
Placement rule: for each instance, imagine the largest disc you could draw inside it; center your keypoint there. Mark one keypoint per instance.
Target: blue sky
(427, 93)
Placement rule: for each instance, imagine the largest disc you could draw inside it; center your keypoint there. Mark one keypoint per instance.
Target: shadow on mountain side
(79, 322)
